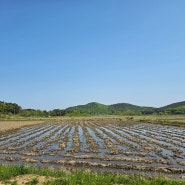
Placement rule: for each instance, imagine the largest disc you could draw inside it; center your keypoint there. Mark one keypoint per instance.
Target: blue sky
(56, 54)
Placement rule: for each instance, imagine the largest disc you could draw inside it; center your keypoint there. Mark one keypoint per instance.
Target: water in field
(97, 145)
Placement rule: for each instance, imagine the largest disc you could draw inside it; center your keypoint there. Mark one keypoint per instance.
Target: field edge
(59, 176)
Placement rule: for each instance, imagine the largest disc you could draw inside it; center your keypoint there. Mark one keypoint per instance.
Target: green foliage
(9, 108)
(14, 183)
(34, 181)
(83, 177)
(177, 110)
(100, 109)
(59, 181)
(7, 172)
(124, 107)
(90, 109)
(170, 111)
(174, 108)
(33, 113)
(174, 105)
(107, 178)
(56, 112)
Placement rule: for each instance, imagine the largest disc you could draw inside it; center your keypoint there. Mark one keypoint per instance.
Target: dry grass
(14, 124)
(9, 125)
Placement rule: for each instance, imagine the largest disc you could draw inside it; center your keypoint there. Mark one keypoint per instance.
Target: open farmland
(8, 125)
(98, 144)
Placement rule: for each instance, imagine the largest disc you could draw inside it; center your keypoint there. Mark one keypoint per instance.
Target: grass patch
(34, 181)
(82, 177)
(7, 172)
(162, 120)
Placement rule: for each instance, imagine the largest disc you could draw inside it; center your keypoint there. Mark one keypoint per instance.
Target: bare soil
(24, 179)
(9, 125)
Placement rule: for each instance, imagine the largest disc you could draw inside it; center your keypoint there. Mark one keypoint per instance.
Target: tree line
(15, 109)
(9, 108)
(91, 109)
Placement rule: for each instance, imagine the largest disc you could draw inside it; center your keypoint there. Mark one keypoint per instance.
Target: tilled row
(93, 143)
(90, 164)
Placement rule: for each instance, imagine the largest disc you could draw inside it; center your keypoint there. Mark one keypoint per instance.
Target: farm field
(97, 144)
(7, 125)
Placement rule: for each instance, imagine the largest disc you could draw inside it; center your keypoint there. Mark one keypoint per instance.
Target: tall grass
(81, 177)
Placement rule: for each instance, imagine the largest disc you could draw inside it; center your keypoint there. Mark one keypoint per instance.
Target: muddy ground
(98, 144)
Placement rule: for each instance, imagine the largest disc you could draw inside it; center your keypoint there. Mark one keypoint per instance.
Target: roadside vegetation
(74, 177)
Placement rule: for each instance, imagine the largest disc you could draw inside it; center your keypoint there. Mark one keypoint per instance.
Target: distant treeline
(9, 108)
(92, 109)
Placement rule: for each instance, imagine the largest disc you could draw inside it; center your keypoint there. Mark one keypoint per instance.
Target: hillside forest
(91, 109)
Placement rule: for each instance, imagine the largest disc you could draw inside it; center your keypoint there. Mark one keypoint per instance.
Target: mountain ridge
(95, 108)
(124, 108)
(174, 105)
(98, 108)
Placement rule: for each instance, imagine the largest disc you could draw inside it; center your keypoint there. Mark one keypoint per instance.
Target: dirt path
(7, 125)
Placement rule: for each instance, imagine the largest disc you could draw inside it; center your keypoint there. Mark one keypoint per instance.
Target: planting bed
(97, 144)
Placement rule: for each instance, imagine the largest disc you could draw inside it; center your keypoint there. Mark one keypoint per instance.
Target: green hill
(127, 106)
(174, 105)
(174, 108)
(93, 108)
